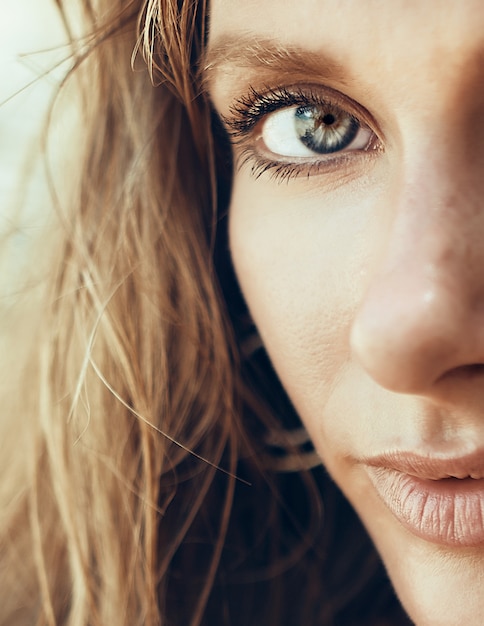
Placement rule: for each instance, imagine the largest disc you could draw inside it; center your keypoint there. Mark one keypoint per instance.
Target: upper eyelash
(248, 110)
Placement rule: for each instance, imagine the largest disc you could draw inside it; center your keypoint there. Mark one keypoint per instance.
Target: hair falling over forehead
(123, 507)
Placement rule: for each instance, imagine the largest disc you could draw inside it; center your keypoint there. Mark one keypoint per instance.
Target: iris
(325, 129)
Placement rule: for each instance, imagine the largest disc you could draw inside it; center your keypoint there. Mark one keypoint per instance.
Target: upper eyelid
(309, 94)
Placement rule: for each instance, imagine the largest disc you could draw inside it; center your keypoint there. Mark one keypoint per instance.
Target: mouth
(440, 500)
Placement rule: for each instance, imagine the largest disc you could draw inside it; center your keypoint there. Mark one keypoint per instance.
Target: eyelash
(250, 110)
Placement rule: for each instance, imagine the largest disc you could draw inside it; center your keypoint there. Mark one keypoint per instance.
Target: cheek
(301, 258)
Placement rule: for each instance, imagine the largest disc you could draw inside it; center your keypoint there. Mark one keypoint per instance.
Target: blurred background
(33, 59)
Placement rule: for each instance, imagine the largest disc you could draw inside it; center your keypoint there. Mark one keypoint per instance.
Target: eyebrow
(268, 56)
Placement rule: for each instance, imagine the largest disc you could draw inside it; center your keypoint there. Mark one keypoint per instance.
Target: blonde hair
(128, 433)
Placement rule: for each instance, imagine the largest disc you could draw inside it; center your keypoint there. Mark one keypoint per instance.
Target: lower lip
(446, 512)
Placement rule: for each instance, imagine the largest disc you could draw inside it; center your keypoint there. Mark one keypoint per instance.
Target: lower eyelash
(284, 171)
(279, 170)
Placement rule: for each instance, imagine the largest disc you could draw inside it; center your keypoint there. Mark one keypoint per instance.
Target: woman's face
(356, 222)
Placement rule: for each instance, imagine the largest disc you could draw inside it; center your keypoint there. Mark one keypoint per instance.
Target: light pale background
(32, 47)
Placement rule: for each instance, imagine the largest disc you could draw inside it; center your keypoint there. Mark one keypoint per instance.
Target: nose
(422, 316)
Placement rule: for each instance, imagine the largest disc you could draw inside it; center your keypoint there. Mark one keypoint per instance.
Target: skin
(365, 280)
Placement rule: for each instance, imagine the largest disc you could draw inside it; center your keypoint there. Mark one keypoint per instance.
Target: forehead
(386, 54)
(370, 27)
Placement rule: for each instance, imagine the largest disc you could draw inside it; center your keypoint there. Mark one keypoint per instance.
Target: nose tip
(399, 340)
(408, 341)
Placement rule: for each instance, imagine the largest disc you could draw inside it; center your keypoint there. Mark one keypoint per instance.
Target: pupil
(329, 119)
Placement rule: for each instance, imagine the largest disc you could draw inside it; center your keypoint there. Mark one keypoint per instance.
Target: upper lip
(431, 467)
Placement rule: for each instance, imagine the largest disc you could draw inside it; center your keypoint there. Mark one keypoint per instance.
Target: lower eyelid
(337, 169)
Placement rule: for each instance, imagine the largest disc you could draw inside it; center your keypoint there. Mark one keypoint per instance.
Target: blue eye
(305, 131)
(300, 130)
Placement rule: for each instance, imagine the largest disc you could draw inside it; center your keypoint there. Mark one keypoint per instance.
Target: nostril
(474, 369)
(465, 372)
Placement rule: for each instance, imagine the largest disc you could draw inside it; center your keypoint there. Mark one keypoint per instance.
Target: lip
(439, 499)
